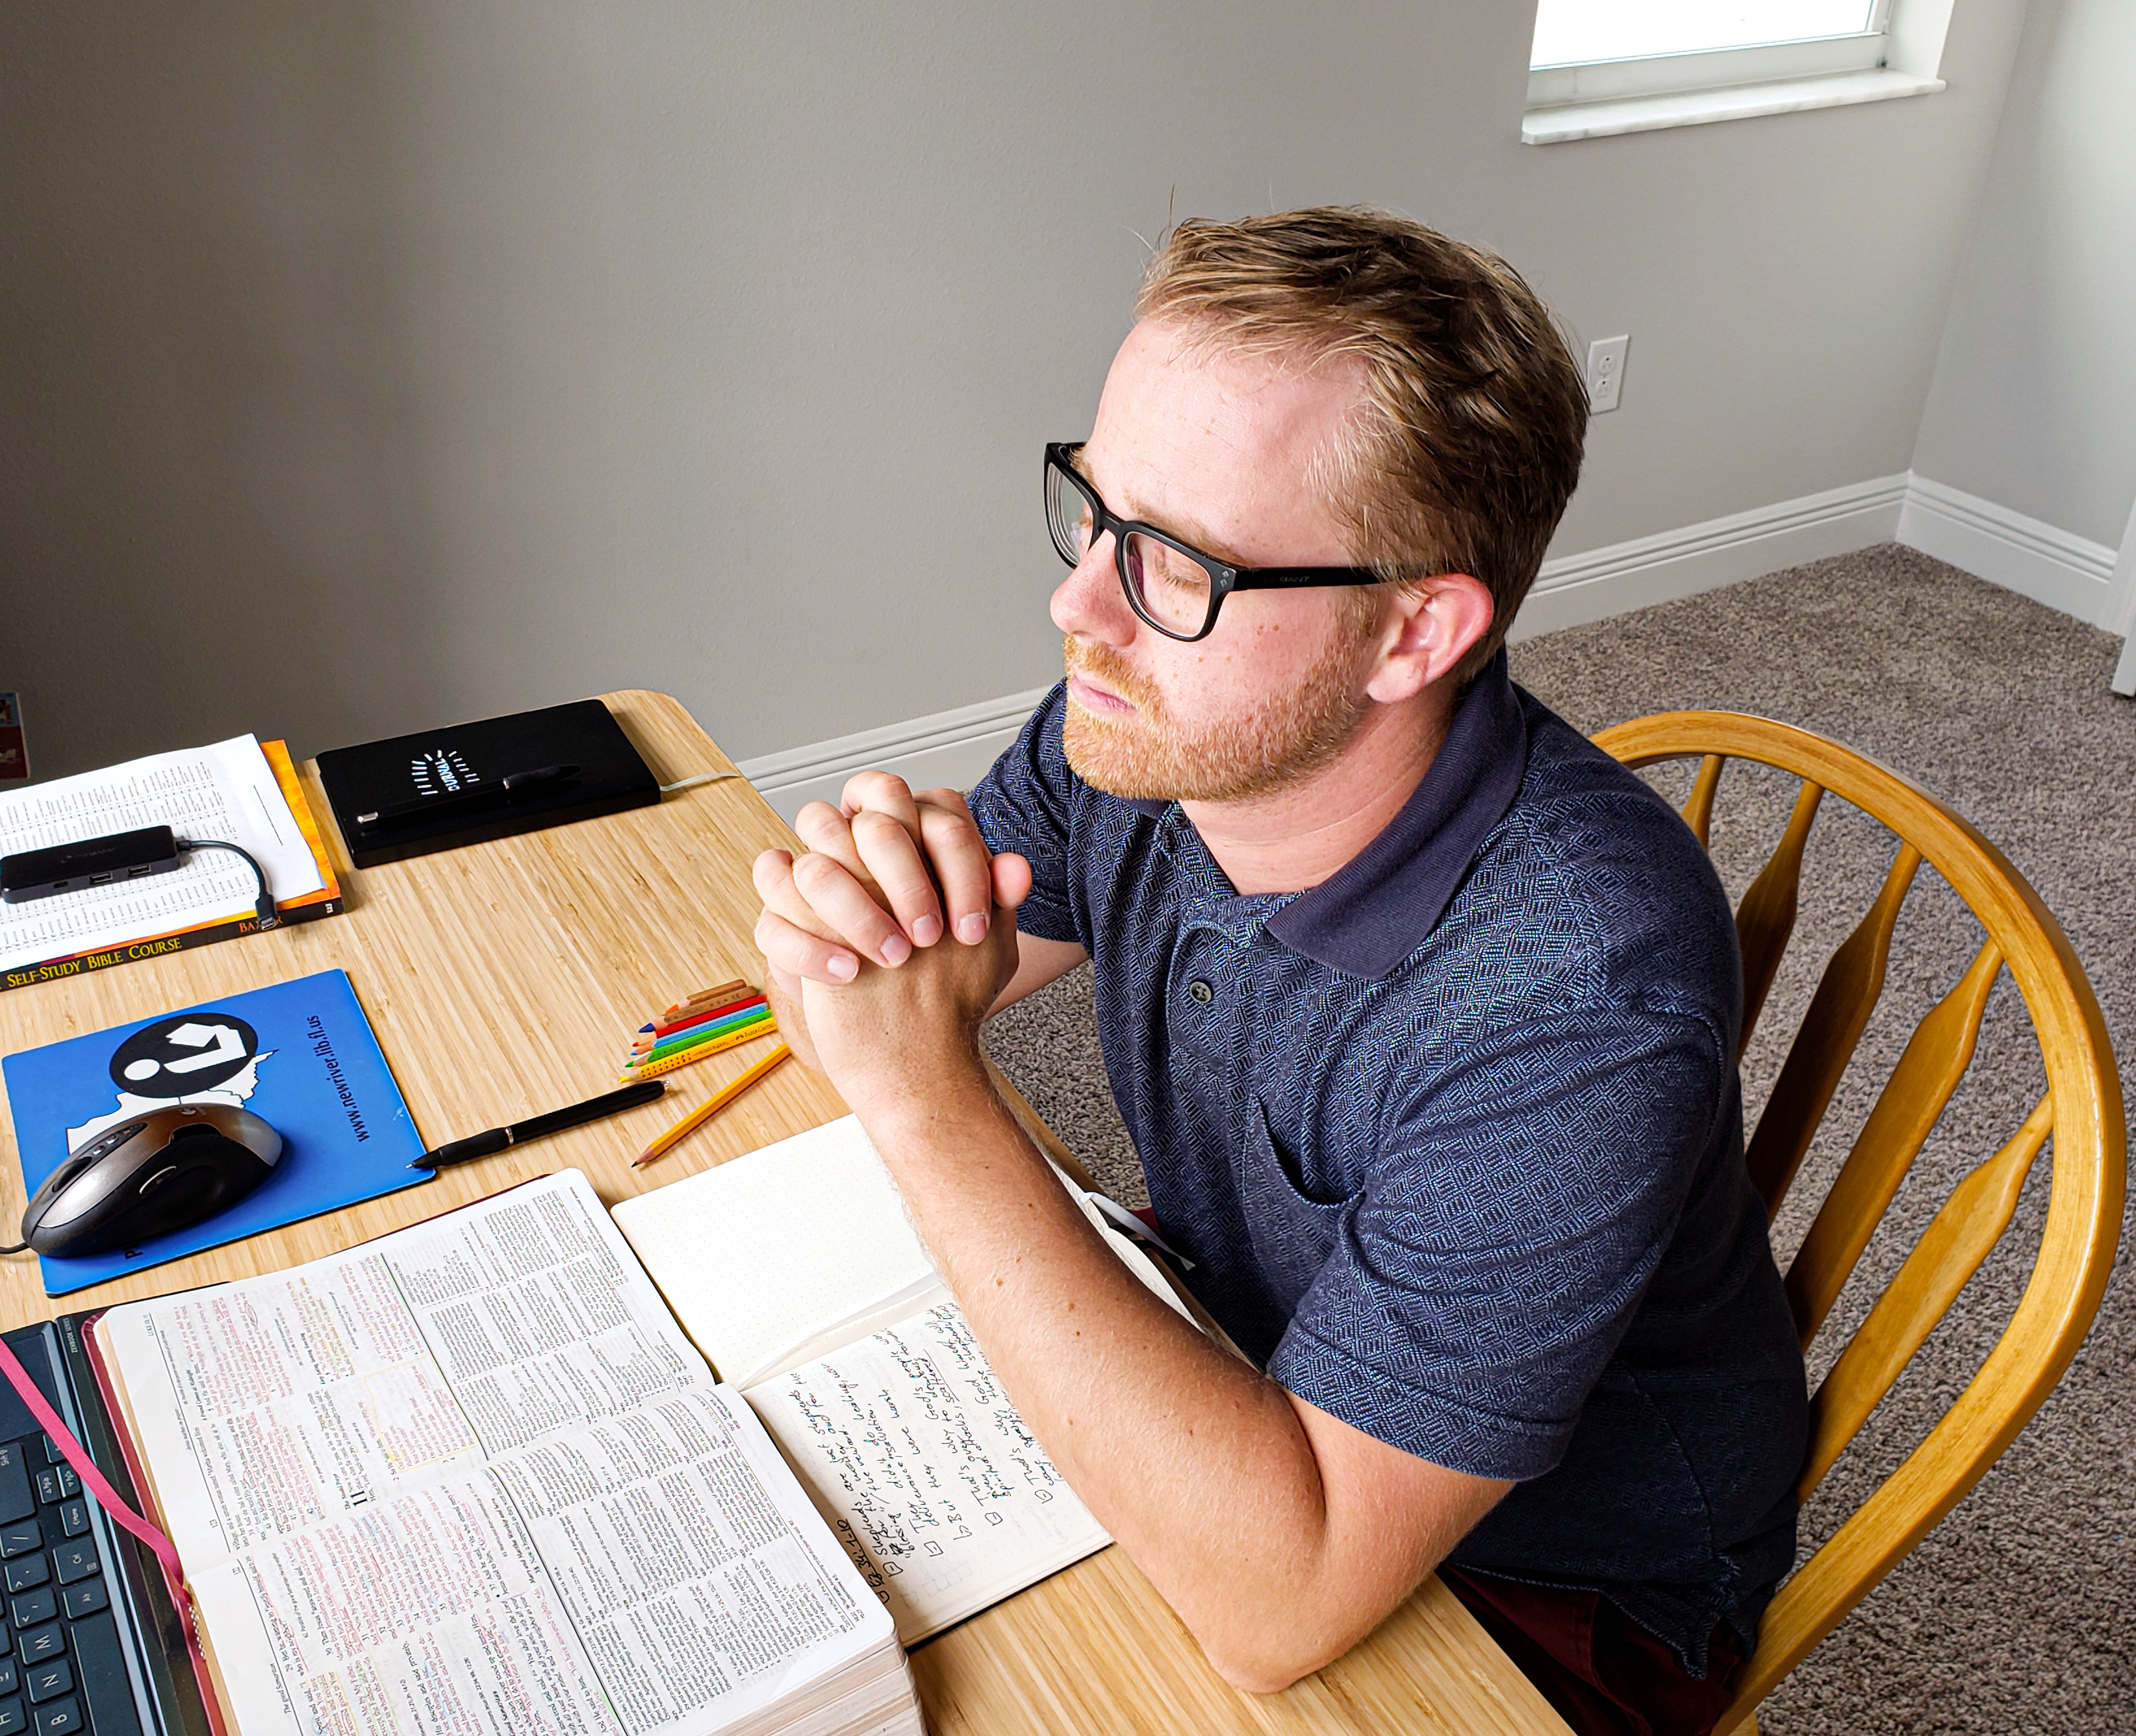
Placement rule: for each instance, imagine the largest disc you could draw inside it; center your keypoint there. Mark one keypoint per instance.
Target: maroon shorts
(1605, 1675)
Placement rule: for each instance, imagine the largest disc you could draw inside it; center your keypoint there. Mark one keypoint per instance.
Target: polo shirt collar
(1379, 907)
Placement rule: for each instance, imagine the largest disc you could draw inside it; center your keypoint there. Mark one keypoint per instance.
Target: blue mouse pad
(299, 1055)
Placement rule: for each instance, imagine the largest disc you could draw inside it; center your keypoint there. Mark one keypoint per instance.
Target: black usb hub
(74, 868)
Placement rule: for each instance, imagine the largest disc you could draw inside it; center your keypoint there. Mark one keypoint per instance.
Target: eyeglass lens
(1168, 589)
(1068, 515)
(1172, 590)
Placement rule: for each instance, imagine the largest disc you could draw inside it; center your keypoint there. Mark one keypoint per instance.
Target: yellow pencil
(710, 1107)
(653, 1070)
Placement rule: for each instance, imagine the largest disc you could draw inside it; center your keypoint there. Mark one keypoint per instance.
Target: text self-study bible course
(299, 1055)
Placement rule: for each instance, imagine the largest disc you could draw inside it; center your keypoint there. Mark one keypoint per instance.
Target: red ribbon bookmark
(93, 1479)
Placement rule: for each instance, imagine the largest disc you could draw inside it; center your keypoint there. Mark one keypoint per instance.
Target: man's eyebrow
(1185, 529)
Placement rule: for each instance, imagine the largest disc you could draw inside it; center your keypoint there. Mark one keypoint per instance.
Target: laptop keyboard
(63, 1653)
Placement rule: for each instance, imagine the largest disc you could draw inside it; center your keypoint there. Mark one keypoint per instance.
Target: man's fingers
(959, 857)
(892, 870)
(875, 836)
(1011, 879)
(854, 904)
(880, 792)
(829, 960)
(827, 832)
(890, 853)
(885, 818)
(795, 953)
(772, 873)
(847, 909)
(961, 861)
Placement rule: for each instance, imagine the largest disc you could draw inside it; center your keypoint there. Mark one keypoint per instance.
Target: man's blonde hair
(1467, 445)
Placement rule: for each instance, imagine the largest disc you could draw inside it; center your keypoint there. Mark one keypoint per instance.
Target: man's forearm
(1279, 1534)
(1196, 1463)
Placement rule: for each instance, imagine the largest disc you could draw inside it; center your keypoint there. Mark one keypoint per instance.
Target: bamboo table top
(504, 979)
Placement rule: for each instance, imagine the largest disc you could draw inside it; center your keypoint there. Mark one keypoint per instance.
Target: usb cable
(264, 907)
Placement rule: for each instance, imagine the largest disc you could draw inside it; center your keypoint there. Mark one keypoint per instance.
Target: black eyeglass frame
(1223, 578)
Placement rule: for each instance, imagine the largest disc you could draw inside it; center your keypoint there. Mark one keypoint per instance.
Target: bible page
(304, 1394)
(658, 1574)
(363, 1460)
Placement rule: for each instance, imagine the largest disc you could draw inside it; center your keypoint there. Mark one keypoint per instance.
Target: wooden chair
(2082, 1109)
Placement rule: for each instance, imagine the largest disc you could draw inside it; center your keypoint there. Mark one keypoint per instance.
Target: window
(1600, 66)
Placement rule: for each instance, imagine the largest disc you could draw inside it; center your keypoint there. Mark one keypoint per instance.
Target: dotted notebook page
(775, 1248)
(226, 791)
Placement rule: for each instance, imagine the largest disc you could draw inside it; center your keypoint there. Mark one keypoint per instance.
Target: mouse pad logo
(205, 1057)
(183, 1058)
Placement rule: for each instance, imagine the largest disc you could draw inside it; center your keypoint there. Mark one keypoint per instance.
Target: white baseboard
(2124, 584)
(2052, 566)
(1572, 590)
(2067, 572)
(947, 750)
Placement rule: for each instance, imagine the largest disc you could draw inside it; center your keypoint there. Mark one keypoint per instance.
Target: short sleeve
(1025, 804)
(1505, 1237)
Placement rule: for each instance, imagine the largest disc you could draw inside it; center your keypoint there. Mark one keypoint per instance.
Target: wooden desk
(503, 980)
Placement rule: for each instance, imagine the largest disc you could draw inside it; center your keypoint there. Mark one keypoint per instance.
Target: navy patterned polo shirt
(1454, 1139)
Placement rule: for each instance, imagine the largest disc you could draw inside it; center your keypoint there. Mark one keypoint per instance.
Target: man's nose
(1090, 604)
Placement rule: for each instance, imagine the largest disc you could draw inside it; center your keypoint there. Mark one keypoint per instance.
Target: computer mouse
(154, 1173)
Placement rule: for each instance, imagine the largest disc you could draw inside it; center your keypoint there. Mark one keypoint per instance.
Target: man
(1422, 1013)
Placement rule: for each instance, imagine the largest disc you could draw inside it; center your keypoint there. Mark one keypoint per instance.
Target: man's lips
(1095, 697)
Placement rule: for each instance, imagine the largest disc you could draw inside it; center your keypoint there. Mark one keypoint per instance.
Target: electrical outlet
(1605, 372)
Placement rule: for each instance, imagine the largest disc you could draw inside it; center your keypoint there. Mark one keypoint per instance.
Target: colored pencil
(654, 1069)
(689, 1001)
(673, 1025)
(692, 1038)
(703, 1033)
(704, 1010)
(710, 1107)
(645, 1040)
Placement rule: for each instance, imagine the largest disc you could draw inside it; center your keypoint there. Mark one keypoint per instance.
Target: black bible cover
(463, 767)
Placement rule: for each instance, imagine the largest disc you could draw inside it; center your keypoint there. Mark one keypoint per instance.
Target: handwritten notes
(926, 1474)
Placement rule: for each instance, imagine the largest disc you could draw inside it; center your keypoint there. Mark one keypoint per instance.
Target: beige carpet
(2016, 1613)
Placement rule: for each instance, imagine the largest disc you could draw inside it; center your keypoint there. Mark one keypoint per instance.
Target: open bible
(473, 1476)
(798, 1273)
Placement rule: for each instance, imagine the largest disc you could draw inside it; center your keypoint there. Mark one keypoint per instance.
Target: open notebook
(798, 1273)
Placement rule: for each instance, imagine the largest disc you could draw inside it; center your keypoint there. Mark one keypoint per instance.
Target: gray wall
(2033, 405)
(370, 366)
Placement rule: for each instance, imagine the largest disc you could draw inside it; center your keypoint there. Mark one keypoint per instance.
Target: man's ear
(1430, 629)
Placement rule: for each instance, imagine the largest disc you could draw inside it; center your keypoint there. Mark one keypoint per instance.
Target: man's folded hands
(851, 933)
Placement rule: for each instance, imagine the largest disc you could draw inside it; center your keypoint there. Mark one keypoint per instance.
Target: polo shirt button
(1201, 991)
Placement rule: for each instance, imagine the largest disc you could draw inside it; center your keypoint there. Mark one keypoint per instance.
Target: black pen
(498, 1139)
(518, 783)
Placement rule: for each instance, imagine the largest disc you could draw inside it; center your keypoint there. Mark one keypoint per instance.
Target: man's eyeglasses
(1170, 586)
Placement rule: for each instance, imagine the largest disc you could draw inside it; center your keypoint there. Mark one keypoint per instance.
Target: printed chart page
(925, 1471)
(472, 1474)
(226, 791)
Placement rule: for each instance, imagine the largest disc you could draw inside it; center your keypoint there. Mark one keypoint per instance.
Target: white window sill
(1568, 121)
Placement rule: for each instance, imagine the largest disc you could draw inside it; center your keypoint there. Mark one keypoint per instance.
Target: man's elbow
(1269, 1662)
(1258, 1677)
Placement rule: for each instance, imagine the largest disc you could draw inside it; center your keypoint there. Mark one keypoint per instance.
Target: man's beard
(1286, 738)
